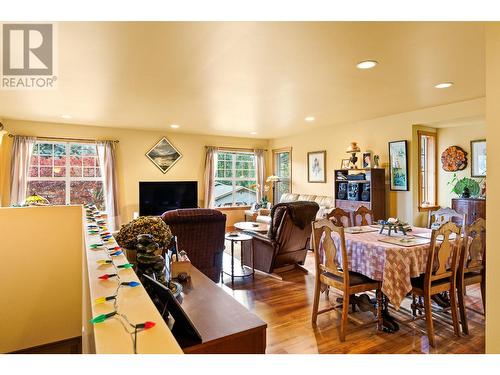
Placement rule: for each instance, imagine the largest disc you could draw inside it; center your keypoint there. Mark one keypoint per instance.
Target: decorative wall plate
(453, 159)
(164, 155)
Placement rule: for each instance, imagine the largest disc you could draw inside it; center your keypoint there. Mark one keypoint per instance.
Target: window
(66, 173)
(235, 180)
(282, 167)
(427, 166)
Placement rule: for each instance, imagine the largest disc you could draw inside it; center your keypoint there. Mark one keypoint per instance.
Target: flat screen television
(155, 198)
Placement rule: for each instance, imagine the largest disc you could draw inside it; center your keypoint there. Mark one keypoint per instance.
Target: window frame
(235, 179)
(67, 178)
(420, 134)
(276, 153)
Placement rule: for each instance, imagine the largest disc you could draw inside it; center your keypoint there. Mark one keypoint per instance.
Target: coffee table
(252, 226)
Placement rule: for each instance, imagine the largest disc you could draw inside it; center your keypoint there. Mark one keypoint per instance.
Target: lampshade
(353, 148)
(273, 179)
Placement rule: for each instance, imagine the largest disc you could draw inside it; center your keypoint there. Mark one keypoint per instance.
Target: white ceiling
(233, 78)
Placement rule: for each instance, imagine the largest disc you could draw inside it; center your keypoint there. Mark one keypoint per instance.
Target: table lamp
(273, 179)
(353, 149)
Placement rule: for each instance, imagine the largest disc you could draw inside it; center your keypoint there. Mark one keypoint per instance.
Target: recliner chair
(200, 232)
(287, 241)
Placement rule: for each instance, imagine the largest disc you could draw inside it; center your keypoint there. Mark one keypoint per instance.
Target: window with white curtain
(427, 167)
(66, 173)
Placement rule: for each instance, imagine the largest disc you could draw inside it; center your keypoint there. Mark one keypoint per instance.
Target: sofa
(325, 203)
(200, 232)
(287, 241)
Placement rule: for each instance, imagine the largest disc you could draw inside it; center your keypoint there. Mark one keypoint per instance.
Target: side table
(238, 237)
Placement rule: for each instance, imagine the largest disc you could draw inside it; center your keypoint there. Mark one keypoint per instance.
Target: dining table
(393, 259)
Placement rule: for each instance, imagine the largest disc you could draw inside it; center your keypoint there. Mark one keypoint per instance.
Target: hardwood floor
(286, 307)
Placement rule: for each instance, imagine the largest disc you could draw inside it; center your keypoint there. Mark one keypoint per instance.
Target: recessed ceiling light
(175, 126)
(367, 64)
(310, 118)
(253, 133)
(443, 85)
(66, 116)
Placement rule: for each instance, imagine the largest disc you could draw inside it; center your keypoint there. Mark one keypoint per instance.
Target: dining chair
(440, 275)
(340, 217)
(443, 215)
(472, 266)
(362, 216)
(334, 273)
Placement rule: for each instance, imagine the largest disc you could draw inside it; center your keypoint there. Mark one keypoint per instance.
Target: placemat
(416, 241)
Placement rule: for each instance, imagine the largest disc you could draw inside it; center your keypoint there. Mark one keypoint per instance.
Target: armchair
(200, 232)
(286, 242)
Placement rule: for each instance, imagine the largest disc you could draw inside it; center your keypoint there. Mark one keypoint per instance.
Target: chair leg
(414, 305)
(327, 293)
(453, 303)
(483, 293)
(428, 319)
(345, 312)
(315, 302)
(461, 308)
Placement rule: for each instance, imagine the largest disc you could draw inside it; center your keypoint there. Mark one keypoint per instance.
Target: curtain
(260, 173)
(22, 150)
(210, 166)
(107, 162)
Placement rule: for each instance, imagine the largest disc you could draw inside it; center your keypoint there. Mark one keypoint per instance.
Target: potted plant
(465, 187)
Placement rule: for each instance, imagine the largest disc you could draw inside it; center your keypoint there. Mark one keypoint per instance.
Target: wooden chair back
(365, 216)
(340, 217)
(326, 253)
(443, 215)
(442, 248)
(473, 255)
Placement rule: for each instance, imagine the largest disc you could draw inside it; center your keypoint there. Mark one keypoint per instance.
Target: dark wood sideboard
(473, 207)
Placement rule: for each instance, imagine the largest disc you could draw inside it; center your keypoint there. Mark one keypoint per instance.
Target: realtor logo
(27, 56)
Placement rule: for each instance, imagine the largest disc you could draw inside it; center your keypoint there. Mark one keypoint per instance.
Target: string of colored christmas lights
(99, 228)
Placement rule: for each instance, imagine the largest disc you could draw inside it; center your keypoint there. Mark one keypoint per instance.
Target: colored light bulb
(131, 284)
(96, 245)
(104, 261)
(116, 253)
(101, 318)
(145, 325)
(114, 248)
(104, 299)
(107, 276)
(125, 266)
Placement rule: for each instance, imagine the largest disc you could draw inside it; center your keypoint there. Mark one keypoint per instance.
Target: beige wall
(372, 135)
(41, 280)
(133, 166)
(455, 136)
(493, 200)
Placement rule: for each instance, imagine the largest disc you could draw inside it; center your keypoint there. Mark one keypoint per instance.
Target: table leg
(232, 264)
(253, 261)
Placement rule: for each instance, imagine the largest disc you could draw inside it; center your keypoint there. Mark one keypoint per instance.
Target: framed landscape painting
(316, 166)
(478, 156)
(164, 155)
(398, 165)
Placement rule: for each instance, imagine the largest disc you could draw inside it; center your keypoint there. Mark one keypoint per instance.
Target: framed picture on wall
(478, 158)
(164, 155)
(316, 166)
(398, 165)
(367, 160)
